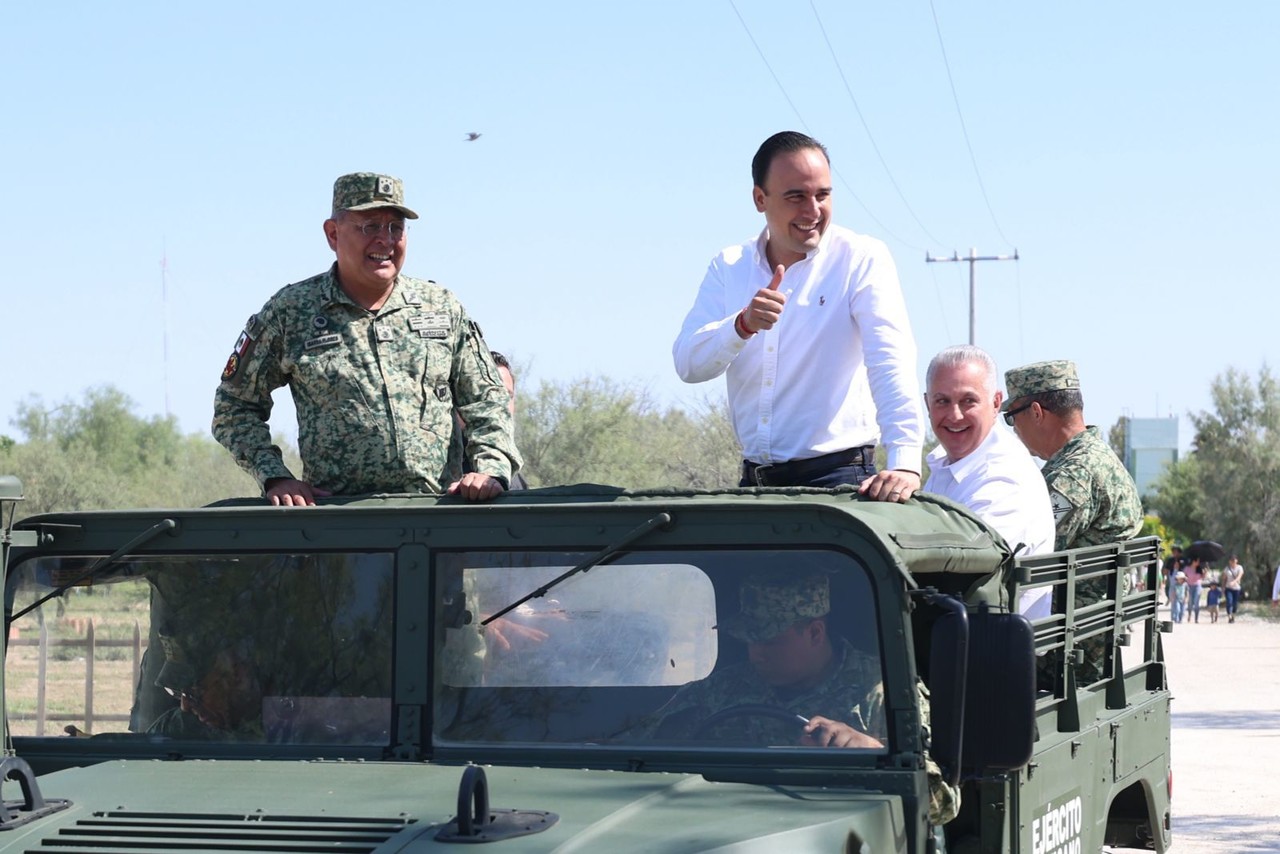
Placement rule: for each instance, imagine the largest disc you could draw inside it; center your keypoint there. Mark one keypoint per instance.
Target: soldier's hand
(892, 485)
(503, 631)
(287, 492)
(824, 732)
(766, 306)
(476, 487)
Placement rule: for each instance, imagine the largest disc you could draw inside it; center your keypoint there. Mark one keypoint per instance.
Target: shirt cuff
(904, 459)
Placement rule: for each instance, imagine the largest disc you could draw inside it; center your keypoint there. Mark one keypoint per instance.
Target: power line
(963, 129)
(848, 89)
(973, 285)
(805, 125)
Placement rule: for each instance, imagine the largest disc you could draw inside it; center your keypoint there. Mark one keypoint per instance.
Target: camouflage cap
(772, 602)
(366, 191)
(176, 673)
(1038, 378)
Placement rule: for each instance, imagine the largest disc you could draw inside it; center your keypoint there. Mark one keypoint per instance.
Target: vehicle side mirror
(982, 690)
(948, 665)
(1000, 695)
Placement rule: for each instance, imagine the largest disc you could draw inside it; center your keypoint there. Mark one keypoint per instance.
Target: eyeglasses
(190, 695)
(395, 230)
(1008, 416)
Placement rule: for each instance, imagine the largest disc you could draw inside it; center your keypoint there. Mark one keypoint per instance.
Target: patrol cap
(771, 602)
(366, 191)
(1038, 378)
(176, 673)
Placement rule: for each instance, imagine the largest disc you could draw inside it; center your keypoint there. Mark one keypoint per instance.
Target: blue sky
(1128, 152)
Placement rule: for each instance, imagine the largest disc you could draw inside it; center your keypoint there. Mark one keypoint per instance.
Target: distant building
(1150, 444)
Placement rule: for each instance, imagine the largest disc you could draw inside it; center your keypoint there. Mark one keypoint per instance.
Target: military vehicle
(409, 673)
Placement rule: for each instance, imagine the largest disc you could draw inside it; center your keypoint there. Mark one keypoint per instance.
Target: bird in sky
(472, 136)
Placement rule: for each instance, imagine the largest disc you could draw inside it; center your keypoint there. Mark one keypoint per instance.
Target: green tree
(98, 454)
(700, 449)
(1116, 437)
(594, 430)
(1177, 497)
(1228, 489)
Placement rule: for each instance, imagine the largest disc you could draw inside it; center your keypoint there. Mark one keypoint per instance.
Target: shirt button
(770, 349)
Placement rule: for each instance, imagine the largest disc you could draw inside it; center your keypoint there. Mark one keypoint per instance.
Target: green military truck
(410, 673)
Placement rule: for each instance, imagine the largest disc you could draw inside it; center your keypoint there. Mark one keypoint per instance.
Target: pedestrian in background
(1215, 596)
(1195, 577)
(1181, 590)
(1231, 586)
(1171, 566)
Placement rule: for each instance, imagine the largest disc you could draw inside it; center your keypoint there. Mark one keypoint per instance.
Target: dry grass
(113, 611)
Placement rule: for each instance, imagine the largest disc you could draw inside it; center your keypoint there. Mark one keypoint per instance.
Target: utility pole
(973, 288)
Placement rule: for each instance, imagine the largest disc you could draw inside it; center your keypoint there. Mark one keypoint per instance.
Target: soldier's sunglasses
(1008, 416)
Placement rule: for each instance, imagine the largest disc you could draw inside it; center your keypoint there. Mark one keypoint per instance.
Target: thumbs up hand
(765, 307)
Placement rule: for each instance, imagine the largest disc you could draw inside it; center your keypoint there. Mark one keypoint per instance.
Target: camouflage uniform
(851, 691)
(375, 391)
(1094, 498)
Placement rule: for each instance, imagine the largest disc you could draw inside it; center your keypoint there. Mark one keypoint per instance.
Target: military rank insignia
(432, 324)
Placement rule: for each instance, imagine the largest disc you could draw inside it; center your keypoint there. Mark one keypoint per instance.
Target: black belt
(785, 474)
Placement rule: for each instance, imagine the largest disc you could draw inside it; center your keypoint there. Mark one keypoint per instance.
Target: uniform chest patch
(432, 324)
(1061, 506)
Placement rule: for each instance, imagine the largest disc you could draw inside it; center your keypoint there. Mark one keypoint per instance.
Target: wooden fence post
(91, 652)
(42, 672)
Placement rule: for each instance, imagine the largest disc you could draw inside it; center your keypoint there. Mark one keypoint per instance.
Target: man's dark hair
(786, 141)
(1060, 402)
(500, 360)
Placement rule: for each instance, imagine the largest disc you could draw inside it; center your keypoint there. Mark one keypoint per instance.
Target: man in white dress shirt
(808, 325)
(981, 465)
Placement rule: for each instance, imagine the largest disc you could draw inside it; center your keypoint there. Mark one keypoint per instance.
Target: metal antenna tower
(164, 304)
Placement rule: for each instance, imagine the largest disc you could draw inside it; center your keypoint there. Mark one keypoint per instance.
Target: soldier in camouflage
(1094, 498)
(377, 362)
(833, 690)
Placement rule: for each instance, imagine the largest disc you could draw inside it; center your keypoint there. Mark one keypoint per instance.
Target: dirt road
(1225, 680)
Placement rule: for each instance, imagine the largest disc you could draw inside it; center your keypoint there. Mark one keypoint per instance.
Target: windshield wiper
(158, 528)
(662, 520)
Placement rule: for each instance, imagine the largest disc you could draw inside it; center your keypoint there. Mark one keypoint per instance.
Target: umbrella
(1206, 550)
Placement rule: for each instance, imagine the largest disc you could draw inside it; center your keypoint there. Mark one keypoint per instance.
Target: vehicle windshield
(677, 649)
(688, 648)
(282, 648)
